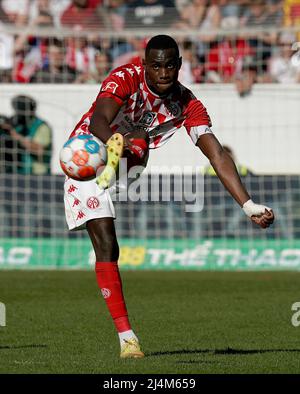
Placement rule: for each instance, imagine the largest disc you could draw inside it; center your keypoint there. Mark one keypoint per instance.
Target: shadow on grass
(227, 351)
(22, 346)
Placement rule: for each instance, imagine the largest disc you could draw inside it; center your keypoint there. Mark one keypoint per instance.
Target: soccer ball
(83, 157)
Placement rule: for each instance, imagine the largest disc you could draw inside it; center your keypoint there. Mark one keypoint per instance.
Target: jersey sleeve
(119, 84)
(197, 120)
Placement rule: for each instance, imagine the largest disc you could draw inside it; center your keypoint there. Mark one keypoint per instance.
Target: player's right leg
(115, 146)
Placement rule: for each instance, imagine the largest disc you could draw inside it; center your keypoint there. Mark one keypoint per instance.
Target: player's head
(162, 63)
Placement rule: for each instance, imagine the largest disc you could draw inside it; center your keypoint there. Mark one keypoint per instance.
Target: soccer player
(144, 104)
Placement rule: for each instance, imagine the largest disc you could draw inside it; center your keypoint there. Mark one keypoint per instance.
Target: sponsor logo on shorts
(93, 203)
(105, 292)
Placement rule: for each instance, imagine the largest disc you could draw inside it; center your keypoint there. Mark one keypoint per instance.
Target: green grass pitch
(187, 322)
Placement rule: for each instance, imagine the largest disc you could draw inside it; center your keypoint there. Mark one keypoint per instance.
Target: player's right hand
(128, 143)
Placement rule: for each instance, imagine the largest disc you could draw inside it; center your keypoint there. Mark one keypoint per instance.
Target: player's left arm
(227, 173)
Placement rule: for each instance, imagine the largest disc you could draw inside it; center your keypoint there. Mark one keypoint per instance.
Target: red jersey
(142, 109)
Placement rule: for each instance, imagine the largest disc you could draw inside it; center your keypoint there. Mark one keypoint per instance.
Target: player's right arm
(115, 91)
(106, 110)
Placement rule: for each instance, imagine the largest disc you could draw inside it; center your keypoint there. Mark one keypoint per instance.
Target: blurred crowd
(240, 41)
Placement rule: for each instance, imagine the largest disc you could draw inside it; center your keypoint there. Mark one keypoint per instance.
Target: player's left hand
(259, 214)
(264, 220)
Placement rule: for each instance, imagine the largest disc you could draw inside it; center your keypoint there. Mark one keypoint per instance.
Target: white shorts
(85, 201)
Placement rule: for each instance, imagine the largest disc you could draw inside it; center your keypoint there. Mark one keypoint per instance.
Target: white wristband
(252, 209)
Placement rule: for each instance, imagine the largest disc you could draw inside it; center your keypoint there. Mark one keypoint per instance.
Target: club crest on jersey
(148, 118)
(112, 86)
(173, 109)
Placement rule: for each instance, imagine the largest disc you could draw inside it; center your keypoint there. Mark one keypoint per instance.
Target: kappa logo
(148, 118)
(80, 215)
(93, 203)
(112, 86)
(105, 292)
(76, 202)
(72, 189)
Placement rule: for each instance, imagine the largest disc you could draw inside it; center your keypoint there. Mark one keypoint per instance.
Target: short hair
(161, 41)
(24, 104)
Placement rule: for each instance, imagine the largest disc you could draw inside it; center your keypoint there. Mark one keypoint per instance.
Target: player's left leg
(103, 236)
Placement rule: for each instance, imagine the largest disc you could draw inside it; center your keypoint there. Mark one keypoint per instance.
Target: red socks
(109, 281)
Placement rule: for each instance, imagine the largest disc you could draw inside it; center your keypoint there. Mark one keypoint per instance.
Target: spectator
(33, 136)
(54, 7)
(204, 16)
(80, 54)
(245, 79)
(274, 12)
(225, 59)
(230, 13)
(256, 15)
(31, 51)
(82, 14)
(291, 10)
(56, 71)
(200, 14)
(102, 68)
(113, 14)
(151, 14)
(42, 15)
(285, 67)
(4, 18)
(242, 169)
(134, 53)
(191, 71)
(10, 158)
(7, 57)
(16, 11)
(6, 49)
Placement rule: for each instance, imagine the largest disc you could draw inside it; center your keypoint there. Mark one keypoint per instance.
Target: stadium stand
(223, 36)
